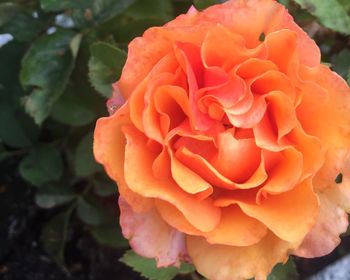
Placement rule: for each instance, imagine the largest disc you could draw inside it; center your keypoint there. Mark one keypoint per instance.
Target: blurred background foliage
(58, 58)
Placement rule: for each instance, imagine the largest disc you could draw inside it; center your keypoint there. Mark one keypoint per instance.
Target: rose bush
(225, 137)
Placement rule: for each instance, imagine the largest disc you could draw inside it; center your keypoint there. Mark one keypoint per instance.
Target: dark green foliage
(109, 235)
(105, 66)
(285, 271)
(43, 164)
(55, 234)
(84, 162)
(55, 76)
(147, 267)
(46, 68)
(331, 13)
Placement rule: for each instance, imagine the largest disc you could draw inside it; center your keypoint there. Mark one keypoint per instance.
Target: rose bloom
(227, 136)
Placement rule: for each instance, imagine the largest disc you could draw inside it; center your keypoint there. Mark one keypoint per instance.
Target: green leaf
(42, 165)
(284, 272)
(54, 235)
(92, 213)
(84, 162)
(330, 13)
(109, 236)
(341, 63)
(58, 5)
(97, 11)
(23, 26)
(10, 88)
(105, 66)
(148, 269)
(16, 128)
(70, 110)
(53, 195)
(203, 4)
(4, 154)
(7, 12)
(47, 66)
(104, 187)
(151, 9)
(285, 2)
(346, 4)
(125, 31)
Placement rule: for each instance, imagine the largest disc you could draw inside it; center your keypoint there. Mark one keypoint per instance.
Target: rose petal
(138, 175)
(223, 48)
(188, 180)
(190, 61)
(285, 175)
(253, 67)
(237, 15)
(250, 118)
(285, 40)
(150, 237)
(236, 229)
(333, 96)
(175, 218)
(289, 215)
(161, 166)
(338, 193)
(324, 235)
(236, 159)
(273, 81)
(222, 262)
(116, 101)
(109, 145)
(311, 149)
(171, 102)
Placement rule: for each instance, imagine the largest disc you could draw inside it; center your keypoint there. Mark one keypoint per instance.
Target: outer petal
(324, 236)
(333, 96)
(268, 15)
(222, 262)
(109, 145)
(339, 194)
(151, 237)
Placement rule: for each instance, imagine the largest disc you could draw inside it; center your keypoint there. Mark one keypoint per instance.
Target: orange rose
(227, 147)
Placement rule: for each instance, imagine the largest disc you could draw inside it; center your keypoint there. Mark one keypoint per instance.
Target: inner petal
(285, 175)
(171, 102)
(228, 94)
(254, 67)
(273, 81)
(188, 180)
(188, 57)
(285, 40)
(237, 159)
(139, 177)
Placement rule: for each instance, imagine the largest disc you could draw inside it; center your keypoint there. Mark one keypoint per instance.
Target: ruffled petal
(333, 96)
(289, 215)
(138, 175)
